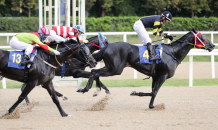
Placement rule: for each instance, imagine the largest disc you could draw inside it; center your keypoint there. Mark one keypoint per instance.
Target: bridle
(100, 44)
(197, 40)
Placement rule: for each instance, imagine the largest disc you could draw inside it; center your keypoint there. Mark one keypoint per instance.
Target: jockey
(156, 23)
(27, 41)
(60, 33)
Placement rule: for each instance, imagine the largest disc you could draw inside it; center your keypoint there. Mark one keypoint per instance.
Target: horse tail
(99, 55)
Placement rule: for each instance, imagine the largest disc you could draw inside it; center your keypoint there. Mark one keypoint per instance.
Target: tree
(89, 5)
(2, 2)
(195, 6)
(106, 6)
(174, 6)
(158, 5)
(29, 4)
(123, 8)
(18, 5)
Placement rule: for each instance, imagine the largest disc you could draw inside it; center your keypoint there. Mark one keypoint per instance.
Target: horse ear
(193, 30)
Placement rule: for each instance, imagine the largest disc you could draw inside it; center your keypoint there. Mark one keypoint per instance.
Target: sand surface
(177, 108)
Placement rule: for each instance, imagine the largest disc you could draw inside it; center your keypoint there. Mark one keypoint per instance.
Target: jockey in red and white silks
(61, 33)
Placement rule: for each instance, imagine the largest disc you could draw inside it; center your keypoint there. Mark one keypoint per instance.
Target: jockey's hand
(85, 41)
(166, 36)
(56, 52)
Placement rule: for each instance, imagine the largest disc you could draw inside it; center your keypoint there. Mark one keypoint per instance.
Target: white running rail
(193, 52)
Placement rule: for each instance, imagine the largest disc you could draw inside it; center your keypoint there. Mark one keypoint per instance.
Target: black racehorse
(42, 70)
(76, 67)
(118, 55)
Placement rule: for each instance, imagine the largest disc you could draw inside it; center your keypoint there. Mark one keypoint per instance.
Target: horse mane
(92, 39)
(181, 39)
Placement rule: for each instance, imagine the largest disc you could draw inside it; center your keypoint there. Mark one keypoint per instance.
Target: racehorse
(42, 70)
(76, 68)
(118, 55)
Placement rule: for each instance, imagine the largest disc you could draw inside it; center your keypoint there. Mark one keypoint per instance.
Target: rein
(56, 57)
(46, 62)
(94, 45)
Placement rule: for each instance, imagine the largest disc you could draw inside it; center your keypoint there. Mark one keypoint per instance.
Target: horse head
(201, 42)
(78, 49)
(97, 42)
(85, 55)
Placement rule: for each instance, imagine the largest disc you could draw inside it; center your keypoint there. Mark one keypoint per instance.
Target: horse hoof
(107, 92)
(96, 92)
(133, 93)
(64, 97)
(79, 90)
(69, 115)
(151, 106)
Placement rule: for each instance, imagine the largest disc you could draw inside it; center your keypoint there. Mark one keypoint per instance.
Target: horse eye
(203, 37)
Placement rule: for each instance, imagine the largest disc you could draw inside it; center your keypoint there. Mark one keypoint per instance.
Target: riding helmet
(79, 28)
(167, 15)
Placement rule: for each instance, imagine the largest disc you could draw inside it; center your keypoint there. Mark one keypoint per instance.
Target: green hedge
(112, 24)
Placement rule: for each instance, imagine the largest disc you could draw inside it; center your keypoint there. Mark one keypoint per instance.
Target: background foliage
(112, 24)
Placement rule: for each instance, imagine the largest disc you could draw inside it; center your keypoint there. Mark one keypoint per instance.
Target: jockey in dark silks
(27, 41)
(156, 23)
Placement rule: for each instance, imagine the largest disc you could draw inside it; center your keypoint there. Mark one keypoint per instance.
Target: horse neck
(91, 47)
(181, 49)
(65, 55)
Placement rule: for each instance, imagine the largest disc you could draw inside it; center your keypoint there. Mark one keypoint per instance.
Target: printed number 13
(17, 58)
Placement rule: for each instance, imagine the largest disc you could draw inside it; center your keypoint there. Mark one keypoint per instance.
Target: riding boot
(152, 54)
(26, 60)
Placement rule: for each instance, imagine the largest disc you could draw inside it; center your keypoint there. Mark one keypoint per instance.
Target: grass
(12, 84)
(148, 82)
(136, 83)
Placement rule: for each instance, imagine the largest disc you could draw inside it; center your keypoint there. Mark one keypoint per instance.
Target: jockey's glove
(166, 36)
(85, 41)
(56, 52)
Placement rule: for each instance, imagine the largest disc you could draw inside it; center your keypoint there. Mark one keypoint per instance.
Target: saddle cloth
(144, 56)
(15, 58)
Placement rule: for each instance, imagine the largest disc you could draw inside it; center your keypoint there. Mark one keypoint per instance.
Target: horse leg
(99, 84)
(22, 96)
(105, 71)
(50, 88)
(81, 73)
(26, 98)
(156, 84)
(59, 94)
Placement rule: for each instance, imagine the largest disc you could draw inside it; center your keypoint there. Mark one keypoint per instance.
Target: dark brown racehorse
(117, 55)
(76, 66)
(40, 72)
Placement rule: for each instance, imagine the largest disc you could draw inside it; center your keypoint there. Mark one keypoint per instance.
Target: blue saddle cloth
(15, 58)
(144, 56)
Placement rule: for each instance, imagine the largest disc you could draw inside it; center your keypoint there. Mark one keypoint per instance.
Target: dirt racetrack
(178, 108)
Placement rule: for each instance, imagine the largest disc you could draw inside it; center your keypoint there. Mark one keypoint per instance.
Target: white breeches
(141, 31)
(16, 44)
(55, 37)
